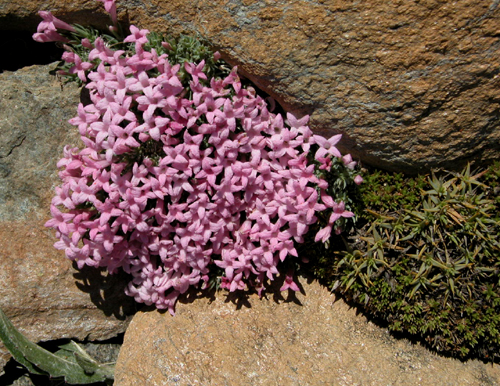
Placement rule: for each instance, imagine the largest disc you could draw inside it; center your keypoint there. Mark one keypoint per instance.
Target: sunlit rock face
(411, 85)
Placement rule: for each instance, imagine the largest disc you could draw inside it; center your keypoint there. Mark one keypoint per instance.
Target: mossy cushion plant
(426, 262)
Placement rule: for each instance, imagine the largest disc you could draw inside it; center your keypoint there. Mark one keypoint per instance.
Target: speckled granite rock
(39, 290)
(410, 84)
(308, 340)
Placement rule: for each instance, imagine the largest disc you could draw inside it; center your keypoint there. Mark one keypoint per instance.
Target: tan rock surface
(410, 84)
(39, 289)
(309, 340)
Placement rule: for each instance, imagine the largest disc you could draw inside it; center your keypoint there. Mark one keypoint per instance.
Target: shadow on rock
(241, 298)
(106, 291)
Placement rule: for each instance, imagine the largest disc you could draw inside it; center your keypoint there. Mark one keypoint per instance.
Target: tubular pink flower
(49, 36)
(323, 234)
(327, 146)
(196, 71)
(138, 37)
(172, 180)
(52, 23)
(110, 7)
(289, 283)
(338, 212)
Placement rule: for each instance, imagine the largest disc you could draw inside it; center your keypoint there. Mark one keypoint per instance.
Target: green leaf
(13, 341)
(86, 362)
(77, 370)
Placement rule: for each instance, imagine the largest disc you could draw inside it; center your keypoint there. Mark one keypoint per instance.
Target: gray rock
(42, 294)
(34, 108)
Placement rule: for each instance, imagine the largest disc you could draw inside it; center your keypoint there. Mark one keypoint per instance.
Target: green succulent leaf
(71, 363)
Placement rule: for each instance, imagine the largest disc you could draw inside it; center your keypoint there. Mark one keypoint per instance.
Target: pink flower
(347, 160)
(110, 7)
(102, 52)
(99, 79)
(323, 234)
(325, 163)
(49, 36)
(150, 101)
(327, 146)
(59, 220)
(289, 283)
(52, 23)
(338, 212)
(84, 119)
(80, 67)
(196, 71)
(137, 36)
(358, 180)
(298, 124)
(227, 117)
(124, 138)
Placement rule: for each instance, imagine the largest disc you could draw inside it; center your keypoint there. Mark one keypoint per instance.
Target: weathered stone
(43, 295)
(410, 84)
(310, 339)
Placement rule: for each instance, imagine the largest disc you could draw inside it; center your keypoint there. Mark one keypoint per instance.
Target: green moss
(390, 192)
(426, 261)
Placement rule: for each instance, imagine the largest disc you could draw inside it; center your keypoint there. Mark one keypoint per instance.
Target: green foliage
(389, 192)
(342, 188)
(427, 262)
(75, 45)
(181, 49)
(71, 362)
(492, 179)
(188, 49)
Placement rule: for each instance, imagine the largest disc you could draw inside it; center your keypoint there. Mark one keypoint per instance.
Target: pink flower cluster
(47, 29)
(173, 179)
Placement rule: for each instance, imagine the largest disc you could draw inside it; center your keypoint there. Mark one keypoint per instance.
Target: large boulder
(308, 339)
(41, 292)
(412, 85)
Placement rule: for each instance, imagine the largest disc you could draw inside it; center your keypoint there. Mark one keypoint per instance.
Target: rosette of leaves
(431, 271)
